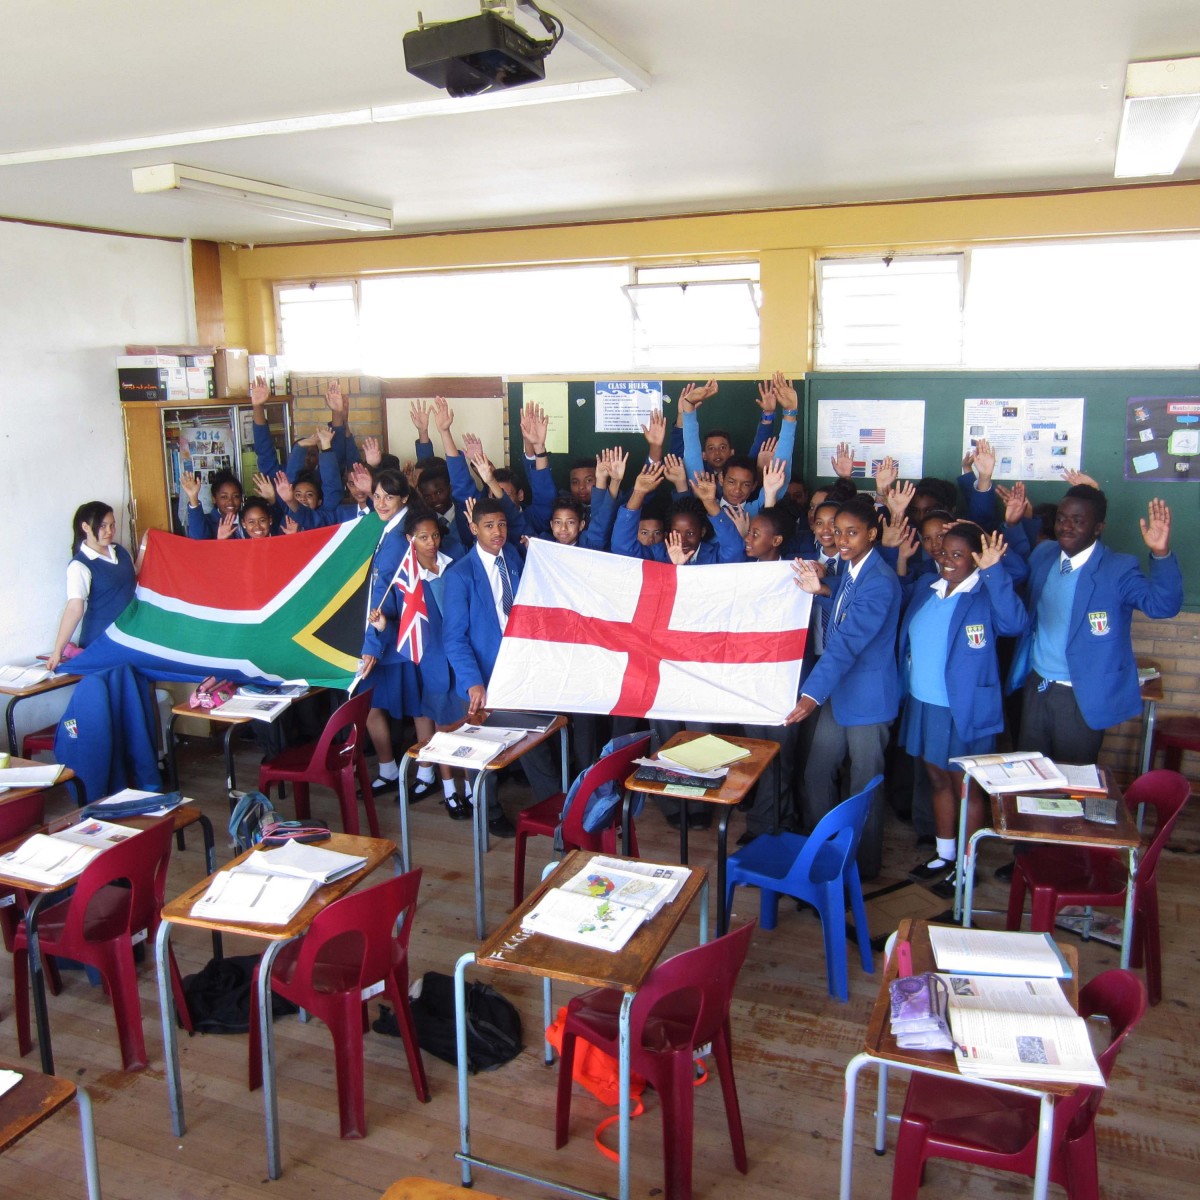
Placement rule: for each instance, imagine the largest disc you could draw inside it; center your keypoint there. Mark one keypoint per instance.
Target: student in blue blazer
(1076, 661)
(480, 588)
(854, 687)
(950, 676)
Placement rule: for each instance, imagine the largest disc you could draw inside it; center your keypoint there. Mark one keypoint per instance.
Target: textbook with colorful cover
(1022, 771)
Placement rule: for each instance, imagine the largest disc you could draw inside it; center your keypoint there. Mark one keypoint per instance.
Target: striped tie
(1066, 567)
(844, 595)
(832, 570)
(506, 593)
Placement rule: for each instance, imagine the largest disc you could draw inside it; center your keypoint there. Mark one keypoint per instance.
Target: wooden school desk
(416, 1187)
(734, 788)
(37, 1097)
(66, 778)
(483, 791)
(512, 949)
(880, 1051)
(16, 695)
(1013, 826)
(179, 912)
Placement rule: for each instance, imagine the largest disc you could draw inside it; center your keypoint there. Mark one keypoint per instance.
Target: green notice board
(1107, 396)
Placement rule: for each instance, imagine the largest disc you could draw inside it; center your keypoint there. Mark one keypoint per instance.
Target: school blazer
(434, 667)
(470, 628)
(726, 547)
(973, 686)
(1099, 644)
(858, 669)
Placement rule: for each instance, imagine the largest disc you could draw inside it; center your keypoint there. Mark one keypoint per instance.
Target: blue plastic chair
(820, 869)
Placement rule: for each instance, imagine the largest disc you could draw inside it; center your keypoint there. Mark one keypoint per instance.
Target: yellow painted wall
(787, 243)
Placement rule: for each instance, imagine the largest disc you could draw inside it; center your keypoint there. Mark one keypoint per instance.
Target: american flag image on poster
(414, 616)
(871, 437)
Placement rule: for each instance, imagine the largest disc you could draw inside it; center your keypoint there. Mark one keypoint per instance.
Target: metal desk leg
(1130, 906)
(1149, 717)
(962, 843)
(230, 774)
(566, 761)
(626, 816)
(483, 793)
(402, 800)
(172, 763)
(683, 830)
(623, 1093)
(267, 1029)
(853, 1067)
(210, 865)
(969, 873)
(704, 911)
(78, 790)
(881, 1111)
(38, 978)
(87, 1129)
(1041, 1170)
(166, 1008)
(547, 999)
(464, 1104)
(722, 842)
(10, 723)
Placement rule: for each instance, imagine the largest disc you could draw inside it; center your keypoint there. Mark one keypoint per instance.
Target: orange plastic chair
(682, 1006)
(352, 945)
(945, 1117)
(336, 760)
(1099, 878)
(542, 819)
(96, 926)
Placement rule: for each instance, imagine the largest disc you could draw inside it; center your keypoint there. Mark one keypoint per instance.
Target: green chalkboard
(1106, 395)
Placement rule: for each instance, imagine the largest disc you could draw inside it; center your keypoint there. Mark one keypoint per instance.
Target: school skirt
(397, 689)
(443, 708)
(927, 731)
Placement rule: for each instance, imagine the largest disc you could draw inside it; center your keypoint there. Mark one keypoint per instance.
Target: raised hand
(655, 431)
(899, 497)
(191, 487)
(774, 481)
(534, 427)
(334, 397)
(704, 488)
(372, 452)
(1016, 506)
(259, 392)
(784, 392)
(1156, 532)
(360, 481)
(994, 548)
(418, 414)
(894, 531)
(767, 399)
(647, 479)
(740, 518)
(283, 488)
(675, 472)
(290, 525)
(602, 476)
(469, 509)
(908, 546)
(806, 575)
(308, 440)
(886, 475)
(1075, 478)
(985, 461)
(264, 487)
(412, 473)
(227, 526)
(617, 462)
(325, 437)
(766, 454)
(695, 394)
(842, 460)
(675, 551)
(443, 414)
(481, 463)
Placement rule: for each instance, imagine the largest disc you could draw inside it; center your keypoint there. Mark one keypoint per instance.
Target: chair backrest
(1166, 792)
(142, 862)
(21, 815)
(609, 769)
(360, 930)
(831, 847)
(690, 994)
(343, 735)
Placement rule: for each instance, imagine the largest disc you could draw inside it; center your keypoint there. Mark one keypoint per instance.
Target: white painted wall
(69, 303)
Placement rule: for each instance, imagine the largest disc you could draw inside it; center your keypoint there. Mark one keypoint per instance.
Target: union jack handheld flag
(414, 616)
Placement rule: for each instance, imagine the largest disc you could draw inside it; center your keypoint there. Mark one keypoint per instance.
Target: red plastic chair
(683, 1005)
(945, 1117)
(351, 946)
(336, 760)
(541, 820)
(96, 926)
(41, 740)
(1099, 878)
(23, 815)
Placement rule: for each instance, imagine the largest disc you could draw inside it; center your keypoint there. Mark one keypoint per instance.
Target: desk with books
(513, 948)
(881, 1051)
(374, 851)
(733, 789)
(17, 690)
(54, 775)
(483, 791)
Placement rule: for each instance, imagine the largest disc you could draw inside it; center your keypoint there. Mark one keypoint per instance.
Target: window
(318, 326)
(892, 312)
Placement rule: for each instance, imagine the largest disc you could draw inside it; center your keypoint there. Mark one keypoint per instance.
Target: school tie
(506, 593)
(832, 570)
(1065, 568)
(844, 597)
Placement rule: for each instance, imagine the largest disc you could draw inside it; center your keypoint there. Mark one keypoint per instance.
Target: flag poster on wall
(874, 430)
(598, 633)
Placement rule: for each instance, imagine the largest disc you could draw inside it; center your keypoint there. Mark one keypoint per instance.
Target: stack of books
(696, 765)
(270, 887)
(32, 775)
(605, 903)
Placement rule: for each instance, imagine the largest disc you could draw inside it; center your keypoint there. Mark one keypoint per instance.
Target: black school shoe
(502, 827)
(381, 787)
(945, 889)
(928, 872)
(458, 809)
(421, 789)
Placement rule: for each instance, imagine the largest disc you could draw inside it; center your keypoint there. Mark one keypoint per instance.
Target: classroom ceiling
(753, 105)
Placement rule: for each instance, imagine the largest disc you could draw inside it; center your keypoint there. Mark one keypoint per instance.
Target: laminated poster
(624, 405)
(874, 429)
(1162, 439)
(1033, 439)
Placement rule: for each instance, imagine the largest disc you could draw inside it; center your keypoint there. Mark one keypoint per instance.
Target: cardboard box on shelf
(151, 377)
(272, 369)
(232, 372)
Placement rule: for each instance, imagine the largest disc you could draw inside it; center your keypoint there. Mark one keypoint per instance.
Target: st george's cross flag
(414, 616)
(248, 610)
(599, 633)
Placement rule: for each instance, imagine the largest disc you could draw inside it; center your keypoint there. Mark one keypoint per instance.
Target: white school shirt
(79, 578)
(493, 578)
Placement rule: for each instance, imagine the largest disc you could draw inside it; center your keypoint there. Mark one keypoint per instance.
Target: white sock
(426, 774)
(947, 849)
(388, 770)
(449, 788)
(467, 788)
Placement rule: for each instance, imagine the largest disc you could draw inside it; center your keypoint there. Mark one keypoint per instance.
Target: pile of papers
(270, 887)
(36, 775)
(605, 903)
(983, 952)
(702, 755)
(469, 746)
(55, 858)
(24, 675)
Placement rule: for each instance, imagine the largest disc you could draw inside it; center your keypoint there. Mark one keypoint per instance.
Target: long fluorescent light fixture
(308, 208)
(1162, 110)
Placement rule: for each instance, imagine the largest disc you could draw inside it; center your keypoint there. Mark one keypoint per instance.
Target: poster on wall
(552, 399)
(1162, 439)
(625, 405)
(1032, 439)
(874, 429)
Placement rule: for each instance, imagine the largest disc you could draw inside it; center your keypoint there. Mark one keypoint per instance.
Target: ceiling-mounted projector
(479, 54)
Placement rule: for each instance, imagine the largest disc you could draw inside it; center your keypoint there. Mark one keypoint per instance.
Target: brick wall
(1175, 646)
(365, 416)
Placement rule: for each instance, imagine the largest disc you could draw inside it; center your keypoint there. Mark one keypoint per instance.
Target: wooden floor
(791, 1040)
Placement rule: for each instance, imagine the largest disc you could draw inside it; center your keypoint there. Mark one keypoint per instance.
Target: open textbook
(469, 746)
(55, 858)
(987, 952)
(1021, 771)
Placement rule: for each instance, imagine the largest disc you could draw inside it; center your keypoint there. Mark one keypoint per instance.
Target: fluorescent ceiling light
(306, 207)
(1162, 109)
